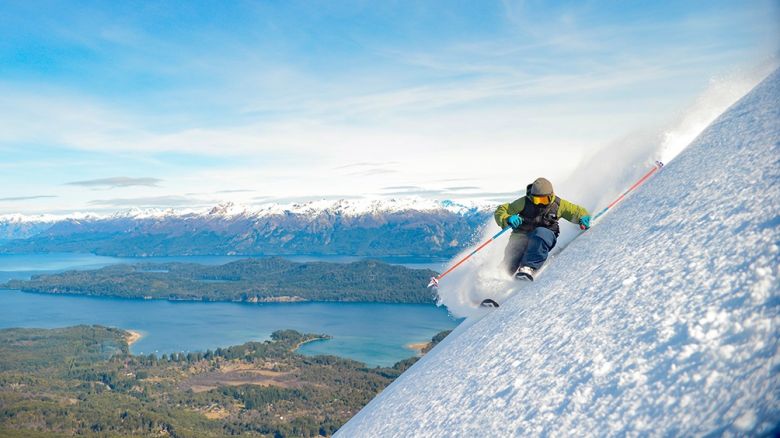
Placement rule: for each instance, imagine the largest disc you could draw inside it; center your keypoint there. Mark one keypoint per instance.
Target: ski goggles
(543, 200)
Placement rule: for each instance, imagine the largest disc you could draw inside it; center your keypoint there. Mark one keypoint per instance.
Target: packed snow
(661, 320)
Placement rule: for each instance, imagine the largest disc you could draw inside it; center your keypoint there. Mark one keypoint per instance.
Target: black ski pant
(528, 248)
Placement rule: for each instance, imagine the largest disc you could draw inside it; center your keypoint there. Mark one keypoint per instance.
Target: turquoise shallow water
(373, 333)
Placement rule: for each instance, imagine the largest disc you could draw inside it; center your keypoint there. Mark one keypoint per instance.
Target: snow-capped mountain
(17, 226)
(662, 320)
(413, 227)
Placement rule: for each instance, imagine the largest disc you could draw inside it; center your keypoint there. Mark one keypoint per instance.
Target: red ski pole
(658, 166)
(435, 280)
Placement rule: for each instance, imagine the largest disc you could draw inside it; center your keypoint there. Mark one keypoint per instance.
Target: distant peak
(227, 208)
(345, 207)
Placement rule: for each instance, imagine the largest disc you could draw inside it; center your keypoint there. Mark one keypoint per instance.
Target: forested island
(83, 380)
(247, 280)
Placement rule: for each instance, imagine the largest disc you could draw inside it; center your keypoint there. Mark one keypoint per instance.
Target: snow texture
(662, 320)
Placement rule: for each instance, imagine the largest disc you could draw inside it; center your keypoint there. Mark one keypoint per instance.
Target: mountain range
(405, 227)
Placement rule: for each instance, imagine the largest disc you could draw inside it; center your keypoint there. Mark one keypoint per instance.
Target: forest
(83, 380)
(247, 280)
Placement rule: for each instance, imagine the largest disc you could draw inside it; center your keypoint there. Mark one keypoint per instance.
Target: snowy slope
(662, 320)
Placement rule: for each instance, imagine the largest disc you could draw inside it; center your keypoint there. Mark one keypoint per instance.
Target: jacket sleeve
(571, 212)
(505, 210)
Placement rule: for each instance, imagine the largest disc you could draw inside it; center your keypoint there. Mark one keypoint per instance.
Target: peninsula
(247, 280)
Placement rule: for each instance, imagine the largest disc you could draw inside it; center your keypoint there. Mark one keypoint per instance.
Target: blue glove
(514, 221)
(585, 222)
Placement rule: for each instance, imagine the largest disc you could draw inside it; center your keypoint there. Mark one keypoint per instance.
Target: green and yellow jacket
(539, 215)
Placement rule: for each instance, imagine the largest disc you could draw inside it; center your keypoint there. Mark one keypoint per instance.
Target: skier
(534, 222)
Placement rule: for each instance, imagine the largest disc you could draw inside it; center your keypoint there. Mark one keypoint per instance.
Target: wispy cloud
(496, 196)
(373, 172)
(432, 193)
(235, 191)
(368, 168)
(472, 191)
(153, 201)
(454, 194)
(115, 182)
(366, 164)
(26, 198)
(218, 192)
(392, 188)
(305, 198)
(462, 188)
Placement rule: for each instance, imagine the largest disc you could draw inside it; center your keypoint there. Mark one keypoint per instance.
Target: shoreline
(417, 346)
(132, 337)
(200, 300)
(302, 343)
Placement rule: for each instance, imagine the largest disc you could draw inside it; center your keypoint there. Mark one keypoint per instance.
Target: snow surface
(661, 320)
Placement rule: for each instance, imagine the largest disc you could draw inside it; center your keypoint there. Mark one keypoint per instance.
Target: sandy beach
(417, 346)
(133, 337)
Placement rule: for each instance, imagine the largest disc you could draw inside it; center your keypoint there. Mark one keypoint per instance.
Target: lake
(374, 333)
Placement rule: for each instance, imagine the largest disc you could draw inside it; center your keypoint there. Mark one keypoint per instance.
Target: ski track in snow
(662, 320)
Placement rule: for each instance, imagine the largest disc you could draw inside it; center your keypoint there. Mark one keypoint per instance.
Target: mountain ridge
(366, 228)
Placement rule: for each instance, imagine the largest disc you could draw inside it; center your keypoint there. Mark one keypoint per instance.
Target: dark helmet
(540, 187)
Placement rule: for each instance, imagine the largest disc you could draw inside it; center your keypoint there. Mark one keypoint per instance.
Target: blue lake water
(373, 333)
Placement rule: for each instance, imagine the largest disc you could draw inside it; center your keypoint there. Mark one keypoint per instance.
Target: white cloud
(117, 181)
(151, 201)
(26, 198)
(494, 110)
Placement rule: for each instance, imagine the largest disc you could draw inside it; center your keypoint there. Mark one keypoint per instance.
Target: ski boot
(525, 273)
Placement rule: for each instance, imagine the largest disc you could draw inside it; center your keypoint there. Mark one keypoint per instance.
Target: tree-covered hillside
(271, 279)
(81, 380)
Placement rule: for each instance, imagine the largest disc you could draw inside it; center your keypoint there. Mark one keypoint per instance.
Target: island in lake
(247, 280)
(83, 380)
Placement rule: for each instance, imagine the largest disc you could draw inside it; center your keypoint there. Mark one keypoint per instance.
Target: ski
(488, 303)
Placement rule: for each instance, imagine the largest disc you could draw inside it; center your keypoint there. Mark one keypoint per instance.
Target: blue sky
(108, 105)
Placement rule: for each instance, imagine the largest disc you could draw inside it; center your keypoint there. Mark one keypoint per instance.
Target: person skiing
(534, 222)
